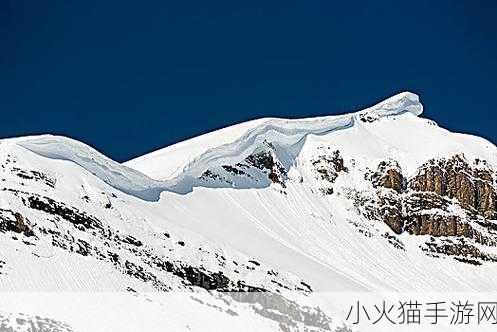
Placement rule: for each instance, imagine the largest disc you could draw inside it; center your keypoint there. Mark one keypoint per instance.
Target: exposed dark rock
(254, 262)
(207, 281)
(83, 248)
(367, 117)
(468, 261)
(265, 161)
(393, 180)
(428, 190)
(233, 170)
(388, 175)
(427, 203)
(421, 201)
(132, 240)
(306, 286)
(390, 210)
(393, 240)
(194, 276)
(329, 168)
(14, 222)
(137, 271)
(437, 225)
(34, 175)
(473, 187)
(458, 248)
(71, 214)
(208, 174)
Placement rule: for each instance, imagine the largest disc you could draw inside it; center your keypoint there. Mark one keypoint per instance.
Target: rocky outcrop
(446, 198)
(35, 176)
(389, 175)
(11, 221)
(433, 188)
(390, 210)
(429, 214)
(71, 214)
(437, 225)
(259, 169)
(459, 248)
(423, 216)
(266, 162)
(328, 168)
(473, 187)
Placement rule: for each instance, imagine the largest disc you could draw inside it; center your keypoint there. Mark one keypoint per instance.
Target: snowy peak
(259, 153)
(284, 136)
(287, 136)
(289, 209)
(246, 142)
(230, 145)
(395, 105)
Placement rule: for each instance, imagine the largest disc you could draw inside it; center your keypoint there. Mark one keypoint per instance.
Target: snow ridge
(395, 105)
(111, 172)
(286, 133)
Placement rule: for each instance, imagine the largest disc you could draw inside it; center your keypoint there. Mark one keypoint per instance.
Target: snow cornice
(395, 105)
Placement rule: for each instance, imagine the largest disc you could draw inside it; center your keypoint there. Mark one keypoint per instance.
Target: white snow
(189, 158)
(301, 234)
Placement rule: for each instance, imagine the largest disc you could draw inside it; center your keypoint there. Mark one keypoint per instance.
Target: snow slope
(170, 160)
(268, 204)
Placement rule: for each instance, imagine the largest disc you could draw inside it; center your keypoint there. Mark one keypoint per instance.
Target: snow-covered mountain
(258, 226)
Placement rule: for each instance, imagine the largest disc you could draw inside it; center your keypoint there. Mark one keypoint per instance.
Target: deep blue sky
(128, 77)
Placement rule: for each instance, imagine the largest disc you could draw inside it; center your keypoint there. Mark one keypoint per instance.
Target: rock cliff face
(389, 175)
(259, 169)
(472, 186)
(328, 168)
(438, 185)
(447, 197)
(389, 205)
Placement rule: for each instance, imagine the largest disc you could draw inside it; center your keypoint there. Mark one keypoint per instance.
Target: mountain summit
(259, 224)
(232, 140)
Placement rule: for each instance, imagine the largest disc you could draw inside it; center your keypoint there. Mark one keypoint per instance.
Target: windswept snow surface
(402, 134)
(116, 175)
(238, 141)
(169, 162)
(298, 231)
(291, 230)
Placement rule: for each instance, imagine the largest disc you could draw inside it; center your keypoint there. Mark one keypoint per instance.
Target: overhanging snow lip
(398, 104)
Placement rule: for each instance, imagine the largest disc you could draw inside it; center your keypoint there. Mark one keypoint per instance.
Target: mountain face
(256, 226)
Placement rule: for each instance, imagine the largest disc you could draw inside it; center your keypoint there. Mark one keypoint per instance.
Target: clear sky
(128, 77)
